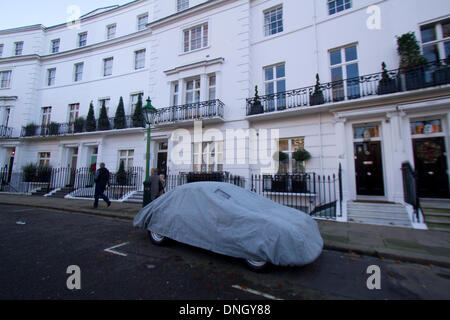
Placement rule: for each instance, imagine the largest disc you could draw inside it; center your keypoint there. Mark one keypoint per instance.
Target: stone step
(435, 203)
(382, 222)
(438, 227)
(402, 218)
(376, 213)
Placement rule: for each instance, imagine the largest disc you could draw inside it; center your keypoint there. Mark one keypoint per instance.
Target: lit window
(44, 158)
(289, 164)
(273, 21)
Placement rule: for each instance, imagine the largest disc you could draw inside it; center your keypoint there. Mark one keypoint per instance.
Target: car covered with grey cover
(233, 221)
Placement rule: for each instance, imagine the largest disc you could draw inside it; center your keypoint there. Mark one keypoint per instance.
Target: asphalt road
(37, 246)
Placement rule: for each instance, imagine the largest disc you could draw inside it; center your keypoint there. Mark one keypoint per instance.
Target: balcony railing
(399, 80)
(55, 129)
(5, 132)
(189, 112)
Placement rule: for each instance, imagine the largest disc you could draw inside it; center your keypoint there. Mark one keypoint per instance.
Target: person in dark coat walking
(157, 187)
(101, 181)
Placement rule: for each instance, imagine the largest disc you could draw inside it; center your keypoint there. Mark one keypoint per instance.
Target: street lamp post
(149, 113)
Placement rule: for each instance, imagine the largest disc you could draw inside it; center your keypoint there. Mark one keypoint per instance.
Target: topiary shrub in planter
(53, 129)
(78, 125)
(44, 173)
(91, 124)
(119, 119)
(301, 155)
(29, 173)
(30, 130)
(387, 84)
(317, 97)
(121, 175)
(412, 63)
(138, 116)
(256, 106)
(103, 120)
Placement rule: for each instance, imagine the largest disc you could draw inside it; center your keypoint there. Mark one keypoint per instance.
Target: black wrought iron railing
(6, 132)
(191, 111)
(410, 189)
(381, 83)
(317, 195)
(55, 129)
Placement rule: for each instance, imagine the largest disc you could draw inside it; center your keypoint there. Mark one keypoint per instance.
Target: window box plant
(30, 130)
(412, 63)
(317, 97)
(256, 106)
(53, 129)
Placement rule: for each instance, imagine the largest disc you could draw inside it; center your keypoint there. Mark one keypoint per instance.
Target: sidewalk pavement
(404, 244)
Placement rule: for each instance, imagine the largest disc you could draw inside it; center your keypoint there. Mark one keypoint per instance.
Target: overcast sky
(19, 13)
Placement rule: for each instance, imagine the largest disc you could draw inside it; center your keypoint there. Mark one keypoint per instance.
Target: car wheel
(256, 264)
(157, 238)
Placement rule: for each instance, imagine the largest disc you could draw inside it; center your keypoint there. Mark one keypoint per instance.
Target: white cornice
(203, 63)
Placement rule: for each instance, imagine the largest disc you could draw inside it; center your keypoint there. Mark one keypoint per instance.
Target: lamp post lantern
(149, 113)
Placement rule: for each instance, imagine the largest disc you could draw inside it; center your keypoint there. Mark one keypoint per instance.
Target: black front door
(430, 158)
(162, 163)
(369, 169)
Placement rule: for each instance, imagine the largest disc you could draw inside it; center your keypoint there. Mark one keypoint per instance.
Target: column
(339, 127)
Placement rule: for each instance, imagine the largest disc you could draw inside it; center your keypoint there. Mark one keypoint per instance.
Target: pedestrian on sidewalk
(101, 182)
(156, 185)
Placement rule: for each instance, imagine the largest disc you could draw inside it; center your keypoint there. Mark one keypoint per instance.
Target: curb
(380, 253)
(71, 210)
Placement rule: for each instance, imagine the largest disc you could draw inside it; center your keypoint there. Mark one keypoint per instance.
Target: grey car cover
(230, 220)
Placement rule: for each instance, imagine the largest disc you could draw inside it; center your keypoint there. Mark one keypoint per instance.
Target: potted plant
(30, 130)
(29, 172)
(103, 120)
(44, 173)
(317, 97)
(256, 106)
(121, 175)
(91, 124)
(301, 155)
(138, 116)
(78, 125)
(119, 119)
(441, 75)
(387, 84)
(412, 63)
(53, 129)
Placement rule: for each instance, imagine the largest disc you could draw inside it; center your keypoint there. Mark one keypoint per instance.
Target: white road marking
(23, 210)
(110, 250)
(265, 295)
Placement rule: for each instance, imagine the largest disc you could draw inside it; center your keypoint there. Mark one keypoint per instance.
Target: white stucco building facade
(201, 60)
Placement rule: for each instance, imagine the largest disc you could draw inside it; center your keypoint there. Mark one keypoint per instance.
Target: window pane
(269, 74)
(336, 74)
(281, 71)
(352, 71)
(446, 28)
(428, 33)
(297, 143)
(447, 50)
(335, 57)
(284, 145)
(351, 54)
(281, 86)
(270, 88)
(431, 53)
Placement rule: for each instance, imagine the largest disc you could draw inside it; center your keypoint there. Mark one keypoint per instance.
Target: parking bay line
(110, 250)
(265, 295)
